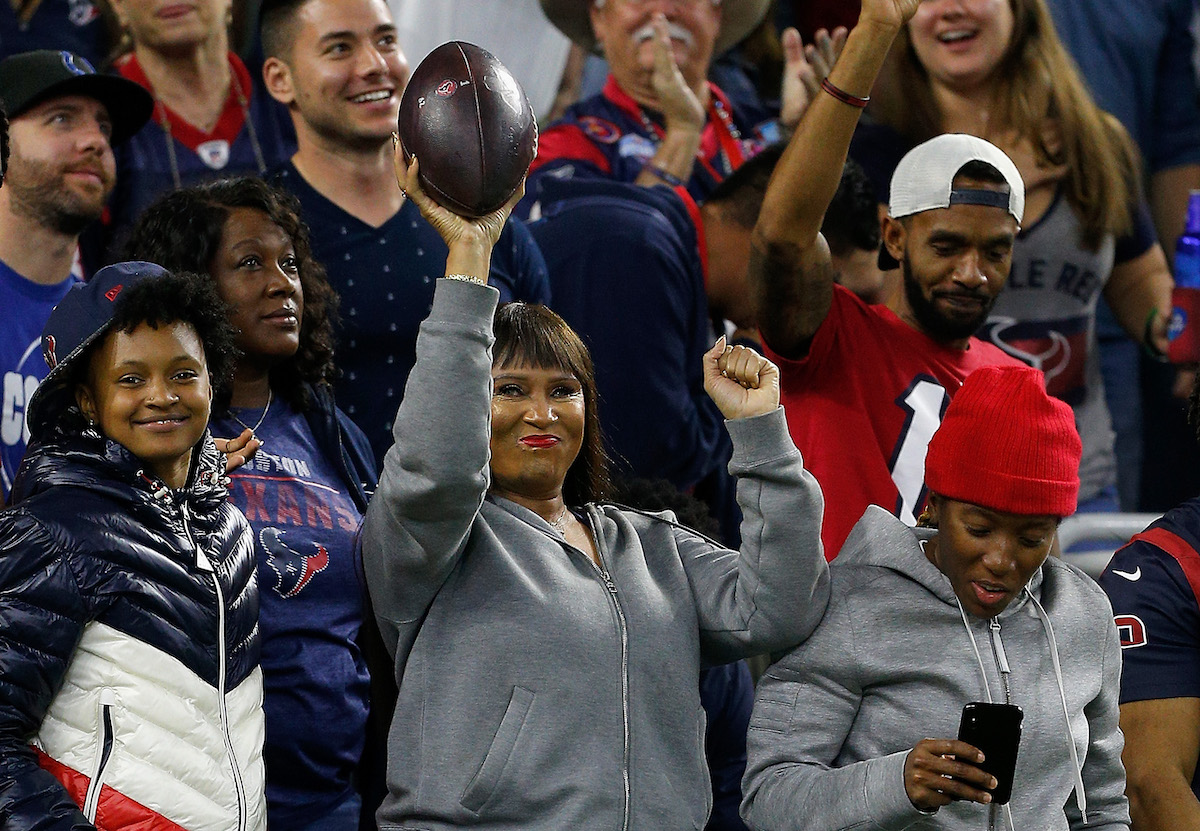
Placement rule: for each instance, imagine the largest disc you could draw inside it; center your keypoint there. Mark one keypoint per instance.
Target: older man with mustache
(658, 119)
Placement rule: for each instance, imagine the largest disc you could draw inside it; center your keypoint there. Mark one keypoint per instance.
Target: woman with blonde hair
(996, 69)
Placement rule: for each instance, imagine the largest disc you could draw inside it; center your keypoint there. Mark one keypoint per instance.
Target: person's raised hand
(891, 12)
(454, 229)
(805, 66)
(741, 382)
(680, 107)
(239, 449)
(934, 775)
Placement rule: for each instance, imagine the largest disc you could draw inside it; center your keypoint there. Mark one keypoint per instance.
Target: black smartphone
(996, 730)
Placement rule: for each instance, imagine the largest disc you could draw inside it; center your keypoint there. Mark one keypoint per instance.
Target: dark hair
(529, 334)
(740, 196)
(275, 20)
(181, 297)
(1193, 415)
(182, 232)
(852, 218)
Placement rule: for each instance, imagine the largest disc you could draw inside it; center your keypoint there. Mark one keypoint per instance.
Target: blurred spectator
(1154, 586)
(998, 70)
(336, 65)
(76, 26)
(1137, 62)
(865, 386)
(65, 119)
(515, 31)
(658, 119)
(211, 119)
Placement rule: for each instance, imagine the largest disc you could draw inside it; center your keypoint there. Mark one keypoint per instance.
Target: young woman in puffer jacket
(130, 693)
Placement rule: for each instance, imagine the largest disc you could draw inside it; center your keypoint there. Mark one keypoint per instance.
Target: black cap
(30, 78)
(84, 314)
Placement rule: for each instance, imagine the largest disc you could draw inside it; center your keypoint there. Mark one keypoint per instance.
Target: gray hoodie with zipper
(537, 689)
(895, 660)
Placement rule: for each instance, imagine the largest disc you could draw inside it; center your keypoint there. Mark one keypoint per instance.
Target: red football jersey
(863, 404)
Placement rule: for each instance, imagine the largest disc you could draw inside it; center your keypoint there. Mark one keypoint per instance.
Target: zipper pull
(994, 625)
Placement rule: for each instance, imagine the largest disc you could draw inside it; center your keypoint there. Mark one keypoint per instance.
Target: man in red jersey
(865, 387)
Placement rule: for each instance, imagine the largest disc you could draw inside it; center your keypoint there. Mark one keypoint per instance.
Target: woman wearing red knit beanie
(966, 607)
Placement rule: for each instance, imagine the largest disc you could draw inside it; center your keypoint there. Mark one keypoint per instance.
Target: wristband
(666, 175)
(843, 96)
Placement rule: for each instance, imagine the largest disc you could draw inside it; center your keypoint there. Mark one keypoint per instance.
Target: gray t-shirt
(1046, 316)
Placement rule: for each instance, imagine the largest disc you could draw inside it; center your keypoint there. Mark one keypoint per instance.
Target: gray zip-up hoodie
(536, 689)
(895, 660)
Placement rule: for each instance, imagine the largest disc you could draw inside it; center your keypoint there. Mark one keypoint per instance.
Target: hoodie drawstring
(1080, 795)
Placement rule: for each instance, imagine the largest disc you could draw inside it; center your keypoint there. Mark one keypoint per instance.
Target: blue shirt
(385, 277)
(27, 306)
(311, 606)
(74, 25)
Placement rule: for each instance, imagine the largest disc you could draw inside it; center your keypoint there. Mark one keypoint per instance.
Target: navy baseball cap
(30, 78)
(79, 320)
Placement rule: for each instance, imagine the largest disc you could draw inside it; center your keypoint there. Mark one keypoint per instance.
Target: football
(468, 122)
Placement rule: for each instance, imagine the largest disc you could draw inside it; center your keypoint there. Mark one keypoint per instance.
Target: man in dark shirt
(336, 65)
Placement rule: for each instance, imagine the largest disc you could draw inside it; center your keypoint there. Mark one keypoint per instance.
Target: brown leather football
(468, 122)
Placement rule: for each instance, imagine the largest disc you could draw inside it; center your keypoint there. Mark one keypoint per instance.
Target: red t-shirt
(863, 404)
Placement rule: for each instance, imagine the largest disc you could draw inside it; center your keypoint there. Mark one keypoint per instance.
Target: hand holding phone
(940, 771)
(994, 729)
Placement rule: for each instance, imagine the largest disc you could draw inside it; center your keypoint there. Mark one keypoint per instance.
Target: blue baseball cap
(84, 315)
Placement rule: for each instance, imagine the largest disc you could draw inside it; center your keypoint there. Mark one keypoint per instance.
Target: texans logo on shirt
(1131, 631)
(1057, 347)
(293, 569)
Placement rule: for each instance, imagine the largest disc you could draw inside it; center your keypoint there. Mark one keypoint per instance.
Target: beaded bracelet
(464, 278)
(843, 96)
(666, 175)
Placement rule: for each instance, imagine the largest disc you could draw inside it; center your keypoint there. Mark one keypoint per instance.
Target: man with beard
(65, 120)
(865, 387)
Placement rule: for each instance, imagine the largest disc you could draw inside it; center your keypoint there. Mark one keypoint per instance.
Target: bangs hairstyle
(172, 298)
(531, 335)
(1041, 95)
(182, 232)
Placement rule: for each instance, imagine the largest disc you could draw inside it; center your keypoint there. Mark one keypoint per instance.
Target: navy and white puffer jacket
(130, 693)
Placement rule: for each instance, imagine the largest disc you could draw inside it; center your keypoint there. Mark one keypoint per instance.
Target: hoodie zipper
(1004, 669)
(204, 564)
(623, 628)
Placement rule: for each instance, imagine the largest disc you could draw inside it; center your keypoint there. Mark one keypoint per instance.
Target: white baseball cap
(924, 180)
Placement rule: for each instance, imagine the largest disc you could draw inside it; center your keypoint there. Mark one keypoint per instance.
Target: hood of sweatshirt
(879, 540)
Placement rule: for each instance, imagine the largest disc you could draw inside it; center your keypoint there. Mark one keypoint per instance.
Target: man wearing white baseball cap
(864, 387)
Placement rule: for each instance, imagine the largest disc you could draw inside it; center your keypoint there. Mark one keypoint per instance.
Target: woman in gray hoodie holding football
(547, 646)
(966, 607)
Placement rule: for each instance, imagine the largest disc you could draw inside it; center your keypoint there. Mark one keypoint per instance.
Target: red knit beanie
(1007, 445)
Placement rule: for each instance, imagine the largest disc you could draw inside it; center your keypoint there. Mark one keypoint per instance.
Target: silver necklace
(558, 521)
(254, 430)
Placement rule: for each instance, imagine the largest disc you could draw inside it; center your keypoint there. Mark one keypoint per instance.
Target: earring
(90, 431)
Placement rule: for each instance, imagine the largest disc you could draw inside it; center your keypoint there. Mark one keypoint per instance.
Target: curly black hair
(182, 231)
(181, 297)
